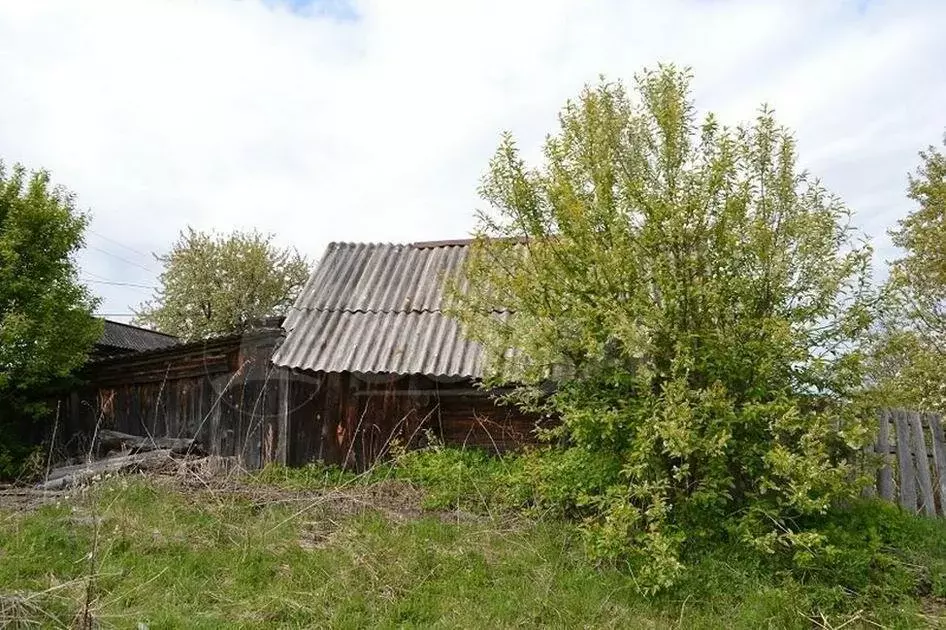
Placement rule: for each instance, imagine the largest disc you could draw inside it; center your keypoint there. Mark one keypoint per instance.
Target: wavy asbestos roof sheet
(374, 308)
(118, 337)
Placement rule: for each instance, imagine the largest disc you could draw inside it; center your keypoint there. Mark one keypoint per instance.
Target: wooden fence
(913, 460)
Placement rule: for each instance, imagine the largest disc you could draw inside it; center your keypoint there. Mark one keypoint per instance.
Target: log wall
(353, 420)
(224, 393)
(229, 397)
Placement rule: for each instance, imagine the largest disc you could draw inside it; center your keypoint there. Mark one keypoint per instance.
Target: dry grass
(206, 546)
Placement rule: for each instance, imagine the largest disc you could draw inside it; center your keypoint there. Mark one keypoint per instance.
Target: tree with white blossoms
(699, 304)
(216, 284)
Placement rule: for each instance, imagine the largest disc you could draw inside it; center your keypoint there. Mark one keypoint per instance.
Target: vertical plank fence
(912, 469)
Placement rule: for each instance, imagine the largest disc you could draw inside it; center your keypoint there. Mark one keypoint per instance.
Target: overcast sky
(374, 120)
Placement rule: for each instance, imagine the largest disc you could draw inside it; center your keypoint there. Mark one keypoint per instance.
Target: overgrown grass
(268, 555)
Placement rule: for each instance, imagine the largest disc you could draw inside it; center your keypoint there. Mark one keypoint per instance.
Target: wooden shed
(375, 360)
(223, 391)
(366, 358)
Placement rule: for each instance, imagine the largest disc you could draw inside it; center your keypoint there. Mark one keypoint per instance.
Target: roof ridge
(322, 309)
(364, 244)
(457, 242)
(351, 311)
(141, 328)
(434, 244)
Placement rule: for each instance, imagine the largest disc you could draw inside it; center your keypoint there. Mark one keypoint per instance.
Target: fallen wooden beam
(117, 441)
(67, 476)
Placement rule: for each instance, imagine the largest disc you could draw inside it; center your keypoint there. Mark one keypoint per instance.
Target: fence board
(927, 504)
(884, 473)
(939, 456)
(907, 476)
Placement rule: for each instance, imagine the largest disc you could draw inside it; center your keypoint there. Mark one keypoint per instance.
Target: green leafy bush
(858, 555)
(700, 306)
(46, 322)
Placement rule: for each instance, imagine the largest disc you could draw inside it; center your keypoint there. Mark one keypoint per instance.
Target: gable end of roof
(378, 308)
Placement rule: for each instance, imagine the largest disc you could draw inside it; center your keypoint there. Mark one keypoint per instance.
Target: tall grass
(437, 540)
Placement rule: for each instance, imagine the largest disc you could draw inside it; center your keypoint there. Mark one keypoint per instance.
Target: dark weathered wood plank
(884, 473)
(282, 423)
(218, 430)
(907, 474)
(939, 457)
(893, 451)
(254, 412)
(927, 503)
(74, 413)
(116, 440)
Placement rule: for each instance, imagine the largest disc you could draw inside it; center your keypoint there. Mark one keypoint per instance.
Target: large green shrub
(699, 305)
(46, 322)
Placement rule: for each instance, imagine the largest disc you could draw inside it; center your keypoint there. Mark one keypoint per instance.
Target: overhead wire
(121, 258)
(99, 279)
(118, 283)
(119, 243)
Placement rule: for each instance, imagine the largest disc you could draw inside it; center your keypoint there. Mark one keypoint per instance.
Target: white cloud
(227, 113)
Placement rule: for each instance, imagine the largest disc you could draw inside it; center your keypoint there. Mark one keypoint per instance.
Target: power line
(98, 276)
(117, 257)
(120, 284)
(120, 244)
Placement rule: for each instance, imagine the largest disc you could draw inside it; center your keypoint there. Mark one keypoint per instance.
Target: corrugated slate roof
(118, 337)
(374, 308)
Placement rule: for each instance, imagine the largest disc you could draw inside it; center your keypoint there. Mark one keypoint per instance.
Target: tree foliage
(919, 277)
(909, 347)
(216, 284)
(903, 369)
(699, 304)
(46, 322)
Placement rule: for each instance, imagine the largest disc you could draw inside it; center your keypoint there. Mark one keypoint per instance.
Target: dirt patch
(18, 499)
(396, 499)
(933, 611)
(319, 534)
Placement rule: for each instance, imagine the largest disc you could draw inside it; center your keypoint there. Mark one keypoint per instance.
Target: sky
(374, 120)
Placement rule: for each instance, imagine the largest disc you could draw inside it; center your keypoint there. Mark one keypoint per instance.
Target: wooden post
(74, 417)
(219, 440)
(939, 457)
(905, 462)
(927, 503)
(282, 420)
(884, 473)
